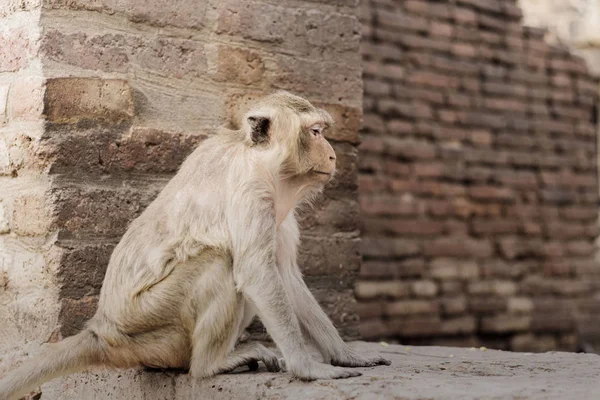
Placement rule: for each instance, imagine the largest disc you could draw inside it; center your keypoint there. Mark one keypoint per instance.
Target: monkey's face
(296, 128)
(319, 157)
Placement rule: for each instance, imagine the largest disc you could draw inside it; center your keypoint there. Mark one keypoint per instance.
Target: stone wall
(478, 180)
(99, 104)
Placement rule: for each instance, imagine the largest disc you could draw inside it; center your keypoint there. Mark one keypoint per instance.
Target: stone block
(239, 65)
(183, 14)
(115, 51)
(82, 212)
(387, 289)
(72, 100)
(32, 214)
(116, 149)
(458, 326)
(18, 48)
(82, 269)
(329, 256)
(75, 312)
(26, 99)
(504, 323)
(424, 288)
(411, 307)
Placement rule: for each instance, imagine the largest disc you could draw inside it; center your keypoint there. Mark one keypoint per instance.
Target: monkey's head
(295, 129)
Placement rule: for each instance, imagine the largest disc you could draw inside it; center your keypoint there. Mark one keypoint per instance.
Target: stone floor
(415, 373)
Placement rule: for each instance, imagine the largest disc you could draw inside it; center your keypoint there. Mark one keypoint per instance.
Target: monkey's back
(160, 257)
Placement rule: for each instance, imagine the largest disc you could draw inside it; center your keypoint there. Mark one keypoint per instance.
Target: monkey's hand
(312, 370)
(349, 358)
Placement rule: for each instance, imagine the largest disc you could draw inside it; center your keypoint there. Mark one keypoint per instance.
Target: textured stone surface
(415, 373)
(477, 176)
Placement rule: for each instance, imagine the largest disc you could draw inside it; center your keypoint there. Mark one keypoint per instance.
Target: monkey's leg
(249, 354)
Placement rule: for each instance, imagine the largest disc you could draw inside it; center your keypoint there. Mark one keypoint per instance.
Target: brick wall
(105, 100)
(478, 180)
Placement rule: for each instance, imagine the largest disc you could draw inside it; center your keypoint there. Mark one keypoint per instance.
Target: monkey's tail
(73, 354)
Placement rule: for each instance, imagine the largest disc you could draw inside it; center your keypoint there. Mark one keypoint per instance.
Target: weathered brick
(118, 52)
(403, 227)
(533, 343)
(329, 256)
(411, 307)
(315, 28)
(32, 214)
(239, 65)
(81, 212)
(387, 247)
(492, 193)
(70, 100)
(448, 268)
(414, 327)
(408, 268)
(372, 290)
(82, 269)
(458, 325)
(18, 47)
(458, 247)
(500, 288)
(424, 288)
(453, 305)
(75, 312)
(505, 323)
(348, 121)
(487, 304)
(184, 14)
(371, 329)
(25, 99)
(372, 309)
(520, 305)
(117, 149)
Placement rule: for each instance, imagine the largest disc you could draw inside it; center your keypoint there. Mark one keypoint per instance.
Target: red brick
(426, 78)
(458, 247)
(492, 193)
(403, 227)
(416, 326)
(388, 247)
(505, 324)
(458, 325)
(411, 307)
(75, 312)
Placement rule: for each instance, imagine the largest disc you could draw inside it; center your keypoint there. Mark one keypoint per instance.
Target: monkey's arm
(257, 277)
(317, 325)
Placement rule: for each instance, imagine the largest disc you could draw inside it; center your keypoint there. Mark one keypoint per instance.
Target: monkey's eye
(315, 130)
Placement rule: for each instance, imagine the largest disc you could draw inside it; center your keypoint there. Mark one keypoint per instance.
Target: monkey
(216, 247)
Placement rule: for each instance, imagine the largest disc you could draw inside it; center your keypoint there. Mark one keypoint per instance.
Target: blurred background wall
(479, 189)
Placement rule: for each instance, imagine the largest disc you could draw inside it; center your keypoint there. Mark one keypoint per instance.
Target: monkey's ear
(259, 129)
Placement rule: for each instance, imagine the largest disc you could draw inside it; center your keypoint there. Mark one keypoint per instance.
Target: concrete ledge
(419, 373)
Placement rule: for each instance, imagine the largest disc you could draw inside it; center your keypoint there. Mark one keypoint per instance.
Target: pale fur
(216, 247)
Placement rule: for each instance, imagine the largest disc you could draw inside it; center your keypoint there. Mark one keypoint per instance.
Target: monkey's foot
(314, 370)
(353, 360)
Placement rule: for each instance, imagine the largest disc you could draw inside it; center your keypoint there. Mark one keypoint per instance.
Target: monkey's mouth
(322, 172)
